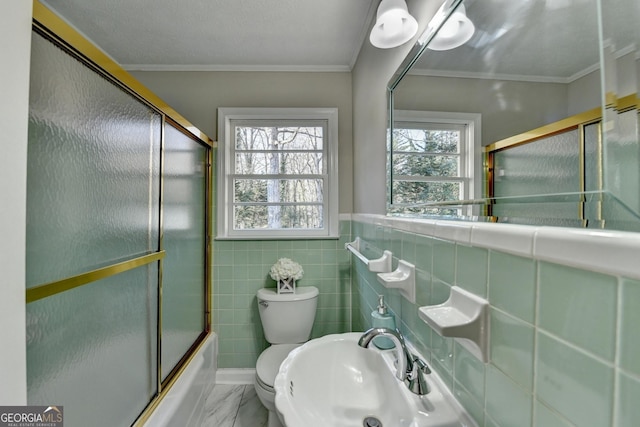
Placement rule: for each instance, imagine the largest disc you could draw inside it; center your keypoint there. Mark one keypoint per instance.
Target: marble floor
(234, 405)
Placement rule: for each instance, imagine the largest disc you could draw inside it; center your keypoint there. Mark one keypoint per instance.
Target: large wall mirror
(521, 112)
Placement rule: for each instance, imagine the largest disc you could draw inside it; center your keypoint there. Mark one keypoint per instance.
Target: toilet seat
(269, 362)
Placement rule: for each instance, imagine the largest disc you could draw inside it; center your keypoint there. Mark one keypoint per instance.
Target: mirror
(547, 103)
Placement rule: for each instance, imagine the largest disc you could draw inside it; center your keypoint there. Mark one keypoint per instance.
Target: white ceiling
(547, 40)
(297, 35)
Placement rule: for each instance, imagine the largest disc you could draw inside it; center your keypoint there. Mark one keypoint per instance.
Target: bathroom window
(431, 159)
(277, 173)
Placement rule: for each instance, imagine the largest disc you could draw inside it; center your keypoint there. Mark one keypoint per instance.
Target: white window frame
(226, 167)
(470, 152)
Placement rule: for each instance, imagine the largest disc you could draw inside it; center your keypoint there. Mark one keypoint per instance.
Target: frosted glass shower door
(93, 169)
(184, 219)
(89, 349)
(93, 203)
(118, 213)
(550, 165)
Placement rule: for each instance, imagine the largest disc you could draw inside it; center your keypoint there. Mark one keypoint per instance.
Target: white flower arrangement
(284, 269)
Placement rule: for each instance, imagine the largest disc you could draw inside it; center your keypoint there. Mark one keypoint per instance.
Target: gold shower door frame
(60, 33)
(576, 122)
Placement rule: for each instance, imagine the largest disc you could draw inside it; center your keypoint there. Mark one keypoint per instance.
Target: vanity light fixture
(455, 32)
(394, 25)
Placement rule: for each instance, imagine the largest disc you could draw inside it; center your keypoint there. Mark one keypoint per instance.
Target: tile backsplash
(564, 338)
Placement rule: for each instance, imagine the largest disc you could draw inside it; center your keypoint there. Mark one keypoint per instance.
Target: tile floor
(234, 405)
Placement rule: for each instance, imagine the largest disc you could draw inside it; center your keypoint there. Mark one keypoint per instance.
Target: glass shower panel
(621, 208)
(93, 349)
(93, 169)
(623, 158)
(592, 158)
(593, 174)
(184, 240)
(546, 166)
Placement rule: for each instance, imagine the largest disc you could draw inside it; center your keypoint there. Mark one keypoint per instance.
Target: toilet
(287, 320)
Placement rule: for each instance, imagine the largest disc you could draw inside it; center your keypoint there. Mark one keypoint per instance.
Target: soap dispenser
(380, 318)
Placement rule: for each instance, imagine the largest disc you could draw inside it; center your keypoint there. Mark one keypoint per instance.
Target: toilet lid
(269, 362)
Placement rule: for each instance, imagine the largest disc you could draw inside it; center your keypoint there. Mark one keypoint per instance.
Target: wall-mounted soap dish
(378, 265)
(463, 316)
(403, 279)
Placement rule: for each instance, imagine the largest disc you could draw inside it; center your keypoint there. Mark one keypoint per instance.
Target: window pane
(426, 140)
(309, 216)
(279, 138)
(258, 217)
(425, 192)
(252, 163)
(251, 217)
(423, 165)
(278, 190)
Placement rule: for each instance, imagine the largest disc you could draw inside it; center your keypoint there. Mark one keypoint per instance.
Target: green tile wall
(565, 342)
(630, 332)
(240, 268)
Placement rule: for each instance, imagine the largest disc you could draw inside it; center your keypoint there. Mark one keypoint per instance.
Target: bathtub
(184, 404)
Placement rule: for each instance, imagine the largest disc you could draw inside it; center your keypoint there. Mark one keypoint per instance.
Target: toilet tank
(287, 318)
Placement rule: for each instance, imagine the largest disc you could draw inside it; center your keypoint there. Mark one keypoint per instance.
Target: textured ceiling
(224, 34)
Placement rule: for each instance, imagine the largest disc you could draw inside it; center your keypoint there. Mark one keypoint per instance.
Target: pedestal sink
(331, 381)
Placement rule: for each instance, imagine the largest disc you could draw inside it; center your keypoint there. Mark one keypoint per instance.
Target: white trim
(364, 33)
(511, 238)
(235, 376)
(578, 248)
(504, 77)
(15, 28)
(225, 117)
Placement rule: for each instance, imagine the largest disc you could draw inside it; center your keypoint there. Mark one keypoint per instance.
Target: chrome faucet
(410, 369)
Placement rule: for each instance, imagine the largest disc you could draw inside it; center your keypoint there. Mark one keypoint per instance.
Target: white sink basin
(331, 381)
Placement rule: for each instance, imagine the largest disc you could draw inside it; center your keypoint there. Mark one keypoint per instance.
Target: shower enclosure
(118, 213)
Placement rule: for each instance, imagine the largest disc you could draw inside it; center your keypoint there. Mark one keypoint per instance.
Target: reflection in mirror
(546, 109)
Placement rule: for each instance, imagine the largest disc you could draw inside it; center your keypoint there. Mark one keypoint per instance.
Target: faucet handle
(421, 365)
(415, 381)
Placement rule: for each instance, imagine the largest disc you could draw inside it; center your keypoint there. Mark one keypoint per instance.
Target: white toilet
(287, 320)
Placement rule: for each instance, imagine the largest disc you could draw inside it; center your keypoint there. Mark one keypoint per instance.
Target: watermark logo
(31, 416)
